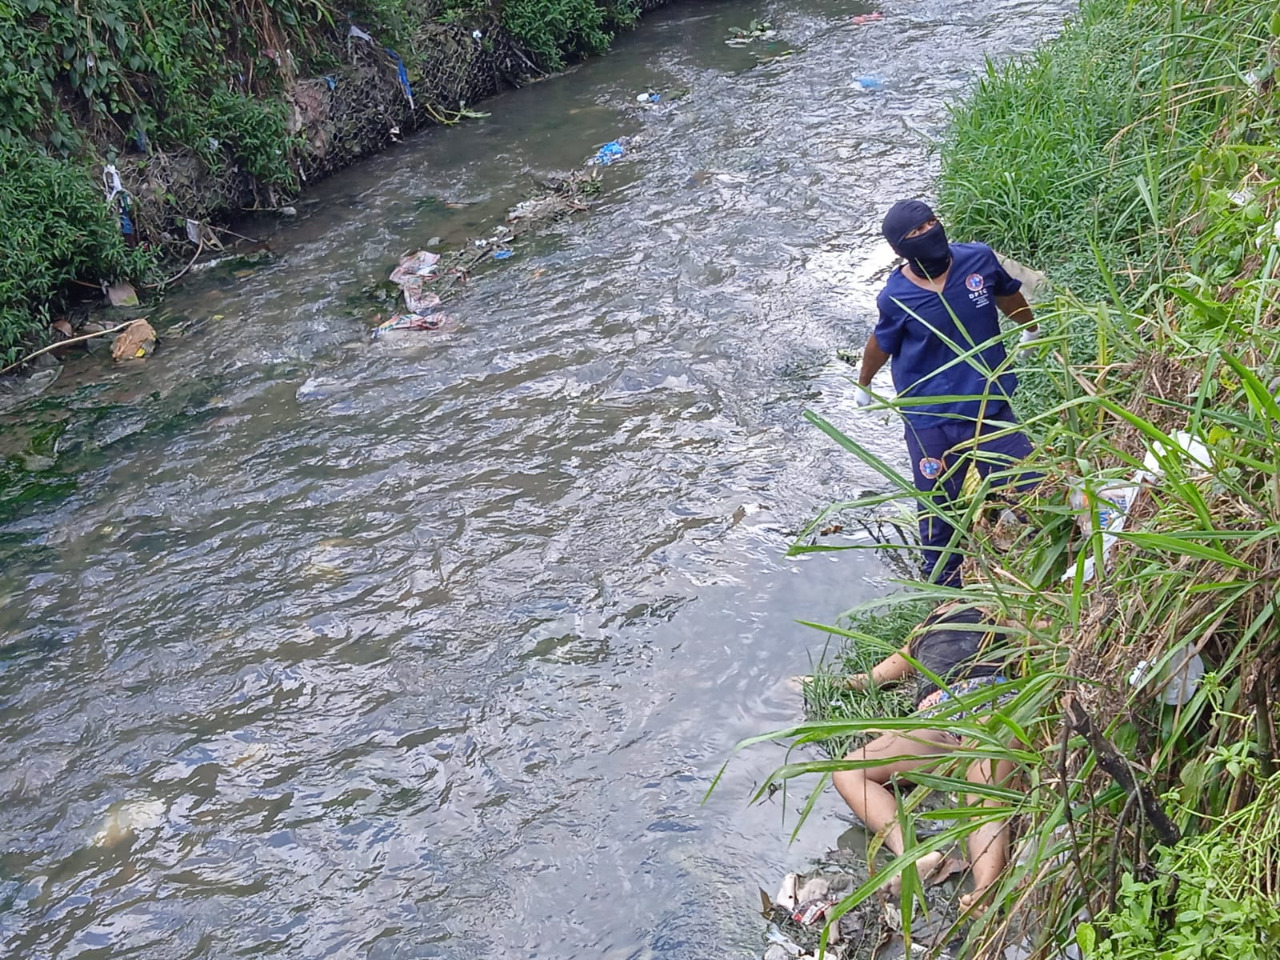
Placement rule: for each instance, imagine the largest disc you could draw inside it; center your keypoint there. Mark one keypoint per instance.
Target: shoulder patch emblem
(975, 282)
(930, 468)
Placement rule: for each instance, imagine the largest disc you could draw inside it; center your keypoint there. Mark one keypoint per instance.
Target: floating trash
(501, 254)
(611, 151)
(411, 321)
(136, 341)
(868, 18)
(648, 97)
(869, 81)
(412, 275)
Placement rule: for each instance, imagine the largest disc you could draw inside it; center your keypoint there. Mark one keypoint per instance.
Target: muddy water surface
(430, 647)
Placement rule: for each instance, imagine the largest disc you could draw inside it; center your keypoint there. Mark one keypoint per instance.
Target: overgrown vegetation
(82, 85)
(57, 229)
(1085, 153)
(869, 636)
(1135, 159)
(556, 29)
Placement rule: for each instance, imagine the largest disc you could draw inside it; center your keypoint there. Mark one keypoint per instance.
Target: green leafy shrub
(556, 29)
(55, 227)
(181, 73)
(1215, 888)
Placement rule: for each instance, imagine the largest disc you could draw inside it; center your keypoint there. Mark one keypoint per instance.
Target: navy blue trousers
(940, 458)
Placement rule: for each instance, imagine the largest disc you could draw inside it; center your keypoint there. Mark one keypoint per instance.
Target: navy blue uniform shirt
(924, 338)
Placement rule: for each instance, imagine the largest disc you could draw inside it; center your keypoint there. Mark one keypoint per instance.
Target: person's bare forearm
(891, 668)
(1016, 308)
(873, 358)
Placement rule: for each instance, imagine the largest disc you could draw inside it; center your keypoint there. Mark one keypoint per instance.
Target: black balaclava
(929, 253)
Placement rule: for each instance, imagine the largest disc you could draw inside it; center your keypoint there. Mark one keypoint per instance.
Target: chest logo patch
(975, 282)
(930, 468)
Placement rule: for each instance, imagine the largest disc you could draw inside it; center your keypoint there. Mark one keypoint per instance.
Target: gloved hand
(1027, 340)
(862, 397)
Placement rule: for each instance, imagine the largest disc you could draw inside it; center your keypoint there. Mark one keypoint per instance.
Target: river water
(431, 647)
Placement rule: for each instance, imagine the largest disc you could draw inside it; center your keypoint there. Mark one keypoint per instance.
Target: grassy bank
(1134, 160)
(219, 85)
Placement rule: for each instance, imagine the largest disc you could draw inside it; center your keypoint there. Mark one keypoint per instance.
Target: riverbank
(131, 135)
(1132, 159)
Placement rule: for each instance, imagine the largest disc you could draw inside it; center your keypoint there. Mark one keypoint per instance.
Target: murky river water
(431, 647)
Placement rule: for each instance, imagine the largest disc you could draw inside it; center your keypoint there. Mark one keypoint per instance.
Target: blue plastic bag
(611, 151)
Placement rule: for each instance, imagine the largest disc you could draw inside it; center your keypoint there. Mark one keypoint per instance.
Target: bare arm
(873, 358)
(891, 668)
(1016, 308)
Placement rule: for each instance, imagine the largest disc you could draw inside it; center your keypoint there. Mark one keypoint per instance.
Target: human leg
(989, 843)
(1001, 453)
(939, 484)
(865, 789)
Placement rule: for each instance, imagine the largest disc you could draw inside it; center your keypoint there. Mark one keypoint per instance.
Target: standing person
(938, 324)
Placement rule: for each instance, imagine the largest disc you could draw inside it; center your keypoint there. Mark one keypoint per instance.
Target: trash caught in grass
(1113, 502)
(757, 30)
(1177, 681)
(1189, 451)
(806, 902)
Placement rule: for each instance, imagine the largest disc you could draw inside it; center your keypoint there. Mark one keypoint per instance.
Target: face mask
(929, 253)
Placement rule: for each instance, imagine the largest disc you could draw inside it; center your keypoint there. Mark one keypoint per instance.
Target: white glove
(862, 397)
(1026, 339)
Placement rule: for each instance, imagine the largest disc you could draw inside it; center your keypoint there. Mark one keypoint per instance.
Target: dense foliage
(57, 229)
